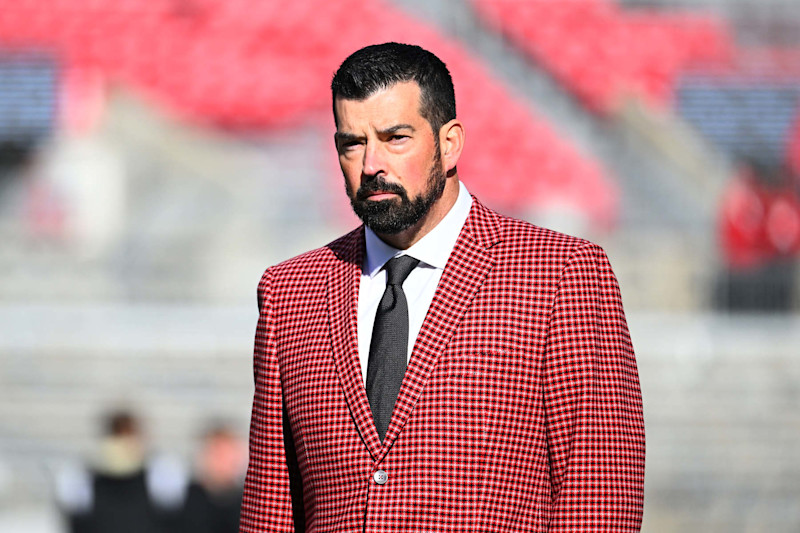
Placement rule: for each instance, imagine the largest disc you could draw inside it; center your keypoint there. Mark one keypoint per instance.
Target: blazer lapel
(466, 270)
(343, 280)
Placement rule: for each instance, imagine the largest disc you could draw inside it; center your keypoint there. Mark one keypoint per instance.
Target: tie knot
(398, 269)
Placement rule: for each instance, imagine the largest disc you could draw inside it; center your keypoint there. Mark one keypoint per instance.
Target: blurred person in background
(214, 496)
(759, 233)
(125, 489)
(443, 366)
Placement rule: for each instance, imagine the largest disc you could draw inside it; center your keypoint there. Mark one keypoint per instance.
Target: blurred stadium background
(156, 156)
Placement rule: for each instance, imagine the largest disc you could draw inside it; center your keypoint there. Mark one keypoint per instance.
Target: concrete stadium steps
(63, 367)
(721, 400)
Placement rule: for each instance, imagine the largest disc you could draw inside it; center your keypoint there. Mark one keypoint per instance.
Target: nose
(374, 161)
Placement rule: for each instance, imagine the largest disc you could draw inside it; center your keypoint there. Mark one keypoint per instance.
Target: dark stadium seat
(792, 156)
(748, 119)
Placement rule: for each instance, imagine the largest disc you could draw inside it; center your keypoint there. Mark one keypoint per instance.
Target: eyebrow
(396, 128)
(346, 137)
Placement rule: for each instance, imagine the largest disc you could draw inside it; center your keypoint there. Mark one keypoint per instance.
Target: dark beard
(393, 216)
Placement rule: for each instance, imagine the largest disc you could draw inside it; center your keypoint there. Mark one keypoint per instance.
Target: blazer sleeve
(593, 404)
(266, 503)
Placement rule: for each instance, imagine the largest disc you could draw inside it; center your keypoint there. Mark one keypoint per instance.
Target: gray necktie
(389, 346)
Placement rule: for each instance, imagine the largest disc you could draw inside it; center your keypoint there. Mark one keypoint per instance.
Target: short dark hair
(379, 66)
(121, 423)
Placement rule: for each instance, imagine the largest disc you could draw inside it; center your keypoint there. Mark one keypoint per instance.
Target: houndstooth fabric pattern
(520, 409)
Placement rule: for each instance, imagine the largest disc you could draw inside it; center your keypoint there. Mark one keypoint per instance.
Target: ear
(451, 142)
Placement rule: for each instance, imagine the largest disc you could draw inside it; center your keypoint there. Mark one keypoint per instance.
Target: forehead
(400, 103)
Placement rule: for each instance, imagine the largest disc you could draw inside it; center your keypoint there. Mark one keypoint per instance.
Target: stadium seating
(746, 118)
(255, 65)
(793, 149)
(603, 54)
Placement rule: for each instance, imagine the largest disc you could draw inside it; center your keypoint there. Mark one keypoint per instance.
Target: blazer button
(380, 477)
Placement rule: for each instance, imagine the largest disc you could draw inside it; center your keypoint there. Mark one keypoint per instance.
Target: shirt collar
(433, 249)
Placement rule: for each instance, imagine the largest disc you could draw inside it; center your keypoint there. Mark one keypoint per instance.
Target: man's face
(390, 158)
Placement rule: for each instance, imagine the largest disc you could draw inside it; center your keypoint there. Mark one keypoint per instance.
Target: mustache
(380, 185)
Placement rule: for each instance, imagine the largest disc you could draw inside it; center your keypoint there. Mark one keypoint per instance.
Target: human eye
(349, 145)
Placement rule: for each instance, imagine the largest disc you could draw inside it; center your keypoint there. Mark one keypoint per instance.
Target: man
(124, 491)
(214, 496)
(442, 367)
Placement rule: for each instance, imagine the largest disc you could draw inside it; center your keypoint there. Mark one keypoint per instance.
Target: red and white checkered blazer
(520, 409)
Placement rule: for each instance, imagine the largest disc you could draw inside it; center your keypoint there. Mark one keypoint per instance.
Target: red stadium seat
(604, 54)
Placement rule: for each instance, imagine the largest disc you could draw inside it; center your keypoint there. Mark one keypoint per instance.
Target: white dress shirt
(433, 250)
